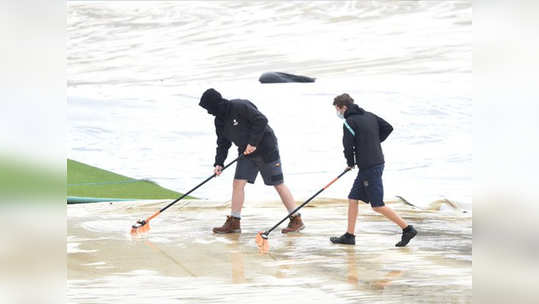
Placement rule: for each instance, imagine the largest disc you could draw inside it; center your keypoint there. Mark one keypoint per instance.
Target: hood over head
(213, 102)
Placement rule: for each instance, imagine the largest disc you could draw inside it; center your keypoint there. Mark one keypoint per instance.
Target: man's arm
(223, 144)
(258, 123)
(384, 128)
(349, 145)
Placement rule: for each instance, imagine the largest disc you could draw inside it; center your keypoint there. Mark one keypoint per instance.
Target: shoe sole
(227, 232)
(297, 230)
(335, 242)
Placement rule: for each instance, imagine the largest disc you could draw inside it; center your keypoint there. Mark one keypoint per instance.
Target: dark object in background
(278, 77)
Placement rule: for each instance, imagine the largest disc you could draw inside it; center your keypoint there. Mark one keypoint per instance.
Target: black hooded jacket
(363, 133)
(238, 121)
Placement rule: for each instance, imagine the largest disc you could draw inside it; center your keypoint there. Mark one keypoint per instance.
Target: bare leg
(390, 214)
(349, 237)
(286, 196)
(238, 194)
(352, 215)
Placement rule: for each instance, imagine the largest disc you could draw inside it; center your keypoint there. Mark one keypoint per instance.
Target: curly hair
(343, 100)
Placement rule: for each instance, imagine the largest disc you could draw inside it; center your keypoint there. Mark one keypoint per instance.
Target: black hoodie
(238, 121)
(363, 133)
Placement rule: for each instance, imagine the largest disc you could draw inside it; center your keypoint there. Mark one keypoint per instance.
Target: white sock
(290, 210)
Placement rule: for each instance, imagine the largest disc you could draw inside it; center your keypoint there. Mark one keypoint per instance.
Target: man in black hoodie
(238, 121)
(363, 133)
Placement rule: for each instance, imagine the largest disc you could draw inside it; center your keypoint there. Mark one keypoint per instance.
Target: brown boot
(232, 225)
(295, 224)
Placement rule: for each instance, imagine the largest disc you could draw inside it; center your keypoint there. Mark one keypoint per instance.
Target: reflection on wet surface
(181, 260)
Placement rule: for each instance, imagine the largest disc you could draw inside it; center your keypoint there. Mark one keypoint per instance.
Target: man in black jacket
(238, 121)
(363, 133)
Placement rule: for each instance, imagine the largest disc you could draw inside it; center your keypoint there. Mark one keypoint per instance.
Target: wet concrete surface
(180, 260)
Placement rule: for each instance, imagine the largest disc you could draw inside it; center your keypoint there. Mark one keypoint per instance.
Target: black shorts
(368, 186)
(248, 168)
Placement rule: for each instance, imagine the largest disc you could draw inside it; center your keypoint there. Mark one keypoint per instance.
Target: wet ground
(179, 260)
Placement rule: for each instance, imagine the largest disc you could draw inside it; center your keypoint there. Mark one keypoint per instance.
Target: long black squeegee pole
(198, 186)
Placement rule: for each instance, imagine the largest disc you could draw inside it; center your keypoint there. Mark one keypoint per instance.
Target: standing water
(136, 71)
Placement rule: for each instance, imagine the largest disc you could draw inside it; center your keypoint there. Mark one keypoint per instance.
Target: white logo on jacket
(235, 122)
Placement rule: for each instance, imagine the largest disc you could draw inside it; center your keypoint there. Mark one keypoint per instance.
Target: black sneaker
(347, 238)
(408, 233)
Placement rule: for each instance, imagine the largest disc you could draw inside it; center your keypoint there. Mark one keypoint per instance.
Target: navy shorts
(368, 186)
(248, 168)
